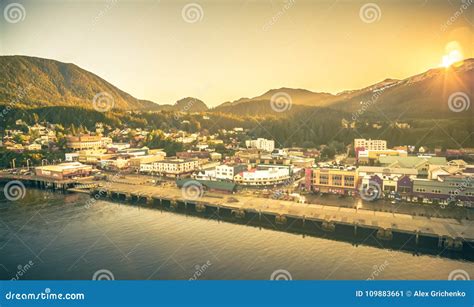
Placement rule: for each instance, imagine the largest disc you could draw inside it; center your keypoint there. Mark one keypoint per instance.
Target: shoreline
(438, 234)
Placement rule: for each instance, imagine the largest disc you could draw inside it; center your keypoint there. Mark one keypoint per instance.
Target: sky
(223, 50)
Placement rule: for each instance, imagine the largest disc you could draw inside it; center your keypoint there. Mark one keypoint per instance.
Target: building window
(337, 180)
(349, 180)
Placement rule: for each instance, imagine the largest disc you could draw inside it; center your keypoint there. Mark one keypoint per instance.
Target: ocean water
(48, 235)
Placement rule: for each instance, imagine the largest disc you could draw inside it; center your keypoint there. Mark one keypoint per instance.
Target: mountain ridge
(429, 90)
(37, 82)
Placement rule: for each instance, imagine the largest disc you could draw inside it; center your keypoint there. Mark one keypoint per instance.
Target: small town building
(64, 171)
(264, 175)
(336, 180)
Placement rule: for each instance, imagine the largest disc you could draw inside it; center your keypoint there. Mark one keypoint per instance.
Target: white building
(137, 161)
(205, 175)
(227, 172)
(72, 156)
(261, 144)
(118, 146)
(104, 141)
(264, 176)
(370, 144)
(84, 142)
(171, 167)
(146, 168)
(33, 147)
(202, 146)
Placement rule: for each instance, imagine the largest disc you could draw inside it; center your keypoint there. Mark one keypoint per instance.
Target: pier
(448, 233)
(40, 182)
(445, 233)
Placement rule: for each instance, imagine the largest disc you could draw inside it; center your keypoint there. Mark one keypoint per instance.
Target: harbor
(437, 233)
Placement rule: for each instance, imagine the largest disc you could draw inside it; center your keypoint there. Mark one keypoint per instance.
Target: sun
(451, 58)
(453, 55)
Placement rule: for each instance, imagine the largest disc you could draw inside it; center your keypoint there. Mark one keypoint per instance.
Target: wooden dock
(450, 233)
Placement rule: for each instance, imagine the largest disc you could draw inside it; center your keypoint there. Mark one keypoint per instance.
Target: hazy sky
(161, 51)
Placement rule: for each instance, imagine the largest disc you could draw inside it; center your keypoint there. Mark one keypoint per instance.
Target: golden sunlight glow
(453, 55)
(451, 58)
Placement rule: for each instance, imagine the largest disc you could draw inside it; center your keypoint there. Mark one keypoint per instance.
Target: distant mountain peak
(290, 90)
(423, 94)
(190, 104)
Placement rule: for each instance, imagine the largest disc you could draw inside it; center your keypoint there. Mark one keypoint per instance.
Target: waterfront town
(231, 162)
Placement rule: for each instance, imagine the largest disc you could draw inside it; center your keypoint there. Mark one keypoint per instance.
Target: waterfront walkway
(451, 233)
(395, 222)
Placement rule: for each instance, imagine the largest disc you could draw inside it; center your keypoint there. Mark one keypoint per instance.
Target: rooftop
(410, 162)
(63, 166)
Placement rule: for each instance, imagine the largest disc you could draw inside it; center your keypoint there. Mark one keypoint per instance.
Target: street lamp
(13, 163)
(42, 161)
(28, 163)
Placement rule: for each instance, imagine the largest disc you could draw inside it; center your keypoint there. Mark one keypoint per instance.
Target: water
(54, 236)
